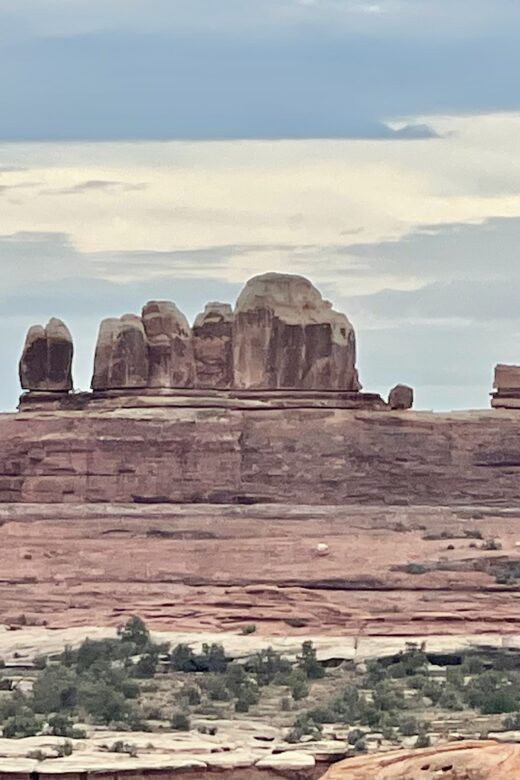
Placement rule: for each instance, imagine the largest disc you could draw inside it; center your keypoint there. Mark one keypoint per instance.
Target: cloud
(97, 185)
(228, 70)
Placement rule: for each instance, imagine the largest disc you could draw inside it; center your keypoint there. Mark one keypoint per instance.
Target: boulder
(121, 359)
(170, 346)
(46, 362)
(400, 397)
(213, 346)
(285, 336)
(470, 760)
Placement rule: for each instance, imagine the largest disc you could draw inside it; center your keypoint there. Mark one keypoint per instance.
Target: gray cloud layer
(280, 68)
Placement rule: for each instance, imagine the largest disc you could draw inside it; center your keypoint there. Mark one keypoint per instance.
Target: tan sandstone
(484, 760)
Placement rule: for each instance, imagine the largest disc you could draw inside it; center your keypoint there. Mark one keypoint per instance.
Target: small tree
(309, 663)
(180, 721)
(135, 631)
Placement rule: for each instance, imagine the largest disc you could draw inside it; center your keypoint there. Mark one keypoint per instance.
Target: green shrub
(304, 726)
(309, 663)
(250, 629)
(136, 633)
(180, 721)
(182, 659)
(55, 689)
(215, 687)
(24, 724)
(192, 694)
(267, 664)
(409, 726)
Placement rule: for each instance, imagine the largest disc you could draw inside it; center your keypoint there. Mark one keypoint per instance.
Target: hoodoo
(46, 362)
(287, 336)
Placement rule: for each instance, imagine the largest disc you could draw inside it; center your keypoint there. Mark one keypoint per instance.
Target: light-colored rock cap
(470, 760)
(214, 312)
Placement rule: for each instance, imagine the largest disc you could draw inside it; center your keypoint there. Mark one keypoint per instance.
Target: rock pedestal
(285, 336)
(46, 362)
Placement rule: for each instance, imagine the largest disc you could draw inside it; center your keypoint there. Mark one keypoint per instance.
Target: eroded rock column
(285, 336)
(46, 362)
(170, 347)
(213, 346)
(121, 360)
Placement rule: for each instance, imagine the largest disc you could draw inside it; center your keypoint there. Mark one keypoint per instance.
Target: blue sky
(172, 148)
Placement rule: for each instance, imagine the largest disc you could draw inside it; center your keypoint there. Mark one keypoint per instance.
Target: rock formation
(46, 362)
(170, 346)
(213, 346)
(507, 387)
(121, 360)
(282, 336)
(484, 760)
(400, 397)
(285, 336)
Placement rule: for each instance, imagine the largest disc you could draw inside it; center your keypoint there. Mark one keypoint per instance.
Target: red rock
(213, 346)
(286, 336)
(121, 359)
(170, 349)
(46, 362)
(400, 397)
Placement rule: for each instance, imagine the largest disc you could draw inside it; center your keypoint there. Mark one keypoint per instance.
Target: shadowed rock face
(456, 761)
(286, 336)
(121, 359)
(400, 397)
(170, 346)
(46, 362)
(213, 346)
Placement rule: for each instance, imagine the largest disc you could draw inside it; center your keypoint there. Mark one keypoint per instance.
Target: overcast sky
(173, 148)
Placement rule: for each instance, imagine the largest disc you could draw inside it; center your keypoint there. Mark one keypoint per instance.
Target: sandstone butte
(199, 479)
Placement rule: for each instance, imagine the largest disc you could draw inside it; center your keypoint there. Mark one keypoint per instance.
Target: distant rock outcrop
(507, 387)
(285, 336)
(170, 345)
(46, 362)
(121, 359)
(213, 346)
(400, 397)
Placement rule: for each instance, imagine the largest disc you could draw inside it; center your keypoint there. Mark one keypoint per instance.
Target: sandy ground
(218, 568)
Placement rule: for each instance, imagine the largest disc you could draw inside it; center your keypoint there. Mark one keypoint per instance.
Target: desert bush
(180, 721)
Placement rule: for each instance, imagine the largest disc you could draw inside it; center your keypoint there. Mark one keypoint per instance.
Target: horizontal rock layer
(301, 455)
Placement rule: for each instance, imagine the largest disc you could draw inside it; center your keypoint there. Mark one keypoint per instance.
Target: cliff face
(300, 455)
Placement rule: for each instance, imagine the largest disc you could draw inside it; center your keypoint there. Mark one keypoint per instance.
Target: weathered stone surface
(170, 349)
(314, 456)
(121, 358)
(213, 346)
(507, 377)
(484, 760)
(286, 336)
(400, 397)
(46, 362)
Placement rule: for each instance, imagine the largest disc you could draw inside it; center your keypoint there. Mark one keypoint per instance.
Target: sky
(174, 148)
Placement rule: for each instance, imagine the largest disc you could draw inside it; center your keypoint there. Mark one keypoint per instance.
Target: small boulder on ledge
(400, 397)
